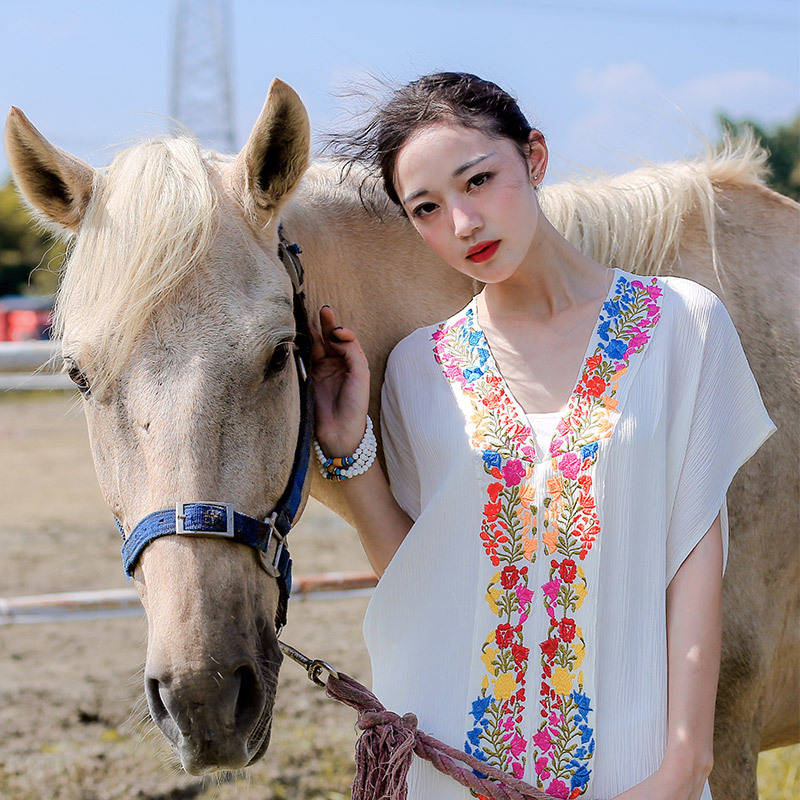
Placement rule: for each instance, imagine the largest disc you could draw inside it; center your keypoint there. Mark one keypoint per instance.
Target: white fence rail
(26, 356)
(97, 604)
(24, 366)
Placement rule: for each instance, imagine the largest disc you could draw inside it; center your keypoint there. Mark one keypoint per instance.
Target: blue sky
(610, 83)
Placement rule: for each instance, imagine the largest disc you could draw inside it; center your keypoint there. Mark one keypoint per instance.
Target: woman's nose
(465, 221)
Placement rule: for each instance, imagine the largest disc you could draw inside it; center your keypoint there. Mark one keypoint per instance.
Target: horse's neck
(376, 273)
(370, 266)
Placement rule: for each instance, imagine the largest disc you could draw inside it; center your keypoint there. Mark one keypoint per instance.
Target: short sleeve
(400, 461)
(727, 424)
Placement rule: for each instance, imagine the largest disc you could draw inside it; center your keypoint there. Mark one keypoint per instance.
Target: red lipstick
(483, 251)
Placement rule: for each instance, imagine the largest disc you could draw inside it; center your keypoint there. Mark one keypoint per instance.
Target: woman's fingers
(341, 373)
(327, 324)
(327, 321)
(317, 344)
(334, 335)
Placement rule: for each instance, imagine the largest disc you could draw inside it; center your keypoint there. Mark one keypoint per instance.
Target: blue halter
(204, 518)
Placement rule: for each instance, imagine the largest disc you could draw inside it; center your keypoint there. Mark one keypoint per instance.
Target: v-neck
(591, 348)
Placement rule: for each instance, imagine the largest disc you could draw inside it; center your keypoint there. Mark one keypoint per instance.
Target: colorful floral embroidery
(562, 744)
(508, 536)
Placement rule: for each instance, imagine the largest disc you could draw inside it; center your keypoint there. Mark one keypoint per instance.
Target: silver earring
(537, 176)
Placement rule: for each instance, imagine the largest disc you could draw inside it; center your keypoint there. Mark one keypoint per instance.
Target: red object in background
(25, 318)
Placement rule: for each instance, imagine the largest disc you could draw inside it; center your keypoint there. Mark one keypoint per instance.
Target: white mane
(149, 223)
(634, 221)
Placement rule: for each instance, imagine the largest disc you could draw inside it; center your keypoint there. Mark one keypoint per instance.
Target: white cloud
(629, 115)
(740, 92)
(630, 79)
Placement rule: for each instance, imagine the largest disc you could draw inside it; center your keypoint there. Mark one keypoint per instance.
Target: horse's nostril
(154, 690)
(151, 689)
(249, 701)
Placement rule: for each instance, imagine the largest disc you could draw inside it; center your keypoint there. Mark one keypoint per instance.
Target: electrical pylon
(201, 97)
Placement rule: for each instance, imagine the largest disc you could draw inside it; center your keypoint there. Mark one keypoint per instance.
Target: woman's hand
(341, 386)
(694, 630)
(671, 781)
(341, 397)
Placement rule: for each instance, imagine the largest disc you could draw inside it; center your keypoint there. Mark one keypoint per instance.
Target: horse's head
(176, 320)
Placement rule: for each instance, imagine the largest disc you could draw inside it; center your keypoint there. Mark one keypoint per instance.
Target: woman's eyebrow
(462, 169)
(472, 163)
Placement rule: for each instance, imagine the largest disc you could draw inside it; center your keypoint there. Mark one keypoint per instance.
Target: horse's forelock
(149, 223)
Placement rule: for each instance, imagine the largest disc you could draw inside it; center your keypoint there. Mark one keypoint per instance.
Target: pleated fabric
(664, 412)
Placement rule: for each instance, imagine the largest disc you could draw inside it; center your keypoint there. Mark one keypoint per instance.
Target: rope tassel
(388, 742)
(383, 755)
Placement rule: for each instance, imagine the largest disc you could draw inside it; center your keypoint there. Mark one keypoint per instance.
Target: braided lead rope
(384, 750)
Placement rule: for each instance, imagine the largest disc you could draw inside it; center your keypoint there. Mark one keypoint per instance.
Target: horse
(176, 322)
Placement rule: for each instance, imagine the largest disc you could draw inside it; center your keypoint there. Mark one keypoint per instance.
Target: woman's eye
(77, 377)
(424, 209)
(479, 179)
(279, 358)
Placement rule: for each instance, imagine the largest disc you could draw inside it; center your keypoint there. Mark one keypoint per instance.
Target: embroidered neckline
(590, 348)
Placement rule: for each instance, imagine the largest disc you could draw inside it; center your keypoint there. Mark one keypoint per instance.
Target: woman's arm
(694, 633)
(341, 398)
(381, 523)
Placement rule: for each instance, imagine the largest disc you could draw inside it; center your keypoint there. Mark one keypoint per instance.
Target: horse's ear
(54, 182)
(270, 165)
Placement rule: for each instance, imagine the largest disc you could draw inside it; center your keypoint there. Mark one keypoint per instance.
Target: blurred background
(612, 83)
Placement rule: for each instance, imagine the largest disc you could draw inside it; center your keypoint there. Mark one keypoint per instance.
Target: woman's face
(471, 197)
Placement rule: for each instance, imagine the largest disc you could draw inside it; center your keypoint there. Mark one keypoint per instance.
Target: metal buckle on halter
(180, 519)
(271, 565)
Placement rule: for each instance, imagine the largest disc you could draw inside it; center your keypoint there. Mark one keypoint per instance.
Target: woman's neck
(553, 278)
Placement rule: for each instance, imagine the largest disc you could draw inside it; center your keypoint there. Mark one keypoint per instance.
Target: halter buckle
(271, 565)
(180, 520)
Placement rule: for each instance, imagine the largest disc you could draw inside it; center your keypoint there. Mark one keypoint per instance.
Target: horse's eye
(77, 377)
(279, 359)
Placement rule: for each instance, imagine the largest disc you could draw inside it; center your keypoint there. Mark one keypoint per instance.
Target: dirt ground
(71, 708)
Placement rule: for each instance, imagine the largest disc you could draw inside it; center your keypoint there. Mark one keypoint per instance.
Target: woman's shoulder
(690, 291)
(693, 318)
(418, 345)
(690, 304)
(411, 347)
(674, 291)
(411, 359)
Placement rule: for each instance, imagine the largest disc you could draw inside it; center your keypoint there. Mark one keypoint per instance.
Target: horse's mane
(634, 221)
(148, 225)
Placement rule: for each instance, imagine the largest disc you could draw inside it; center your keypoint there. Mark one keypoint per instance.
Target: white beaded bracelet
(344, 467)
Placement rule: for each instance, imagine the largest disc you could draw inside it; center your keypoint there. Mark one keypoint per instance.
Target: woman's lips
(483, 251)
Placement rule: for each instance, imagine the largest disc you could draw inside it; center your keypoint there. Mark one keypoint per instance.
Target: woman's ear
(537, 157)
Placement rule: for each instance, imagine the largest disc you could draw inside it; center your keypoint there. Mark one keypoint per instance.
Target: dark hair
(443, 97)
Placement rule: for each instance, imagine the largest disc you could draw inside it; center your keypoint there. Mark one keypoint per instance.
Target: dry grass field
(71, 715)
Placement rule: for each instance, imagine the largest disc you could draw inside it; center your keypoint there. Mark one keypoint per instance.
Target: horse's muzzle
(217, 718)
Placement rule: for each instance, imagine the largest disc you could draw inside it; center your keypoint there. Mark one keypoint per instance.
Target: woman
(553, 543)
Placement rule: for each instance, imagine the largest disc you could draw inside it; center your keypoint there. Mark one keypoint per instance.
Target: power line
(666, 14)
(789, 25)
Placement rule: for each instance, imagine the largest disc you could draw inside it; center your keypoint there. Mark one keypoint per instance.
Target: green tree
(782, 144)
(29, 260)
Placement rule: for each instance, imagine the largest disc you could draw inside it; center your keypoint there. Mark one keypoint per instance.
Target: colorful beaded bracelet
(343, 467)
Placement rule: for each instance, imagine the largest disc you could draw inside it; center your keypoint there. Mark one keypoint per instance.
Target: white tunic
(523, 618)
